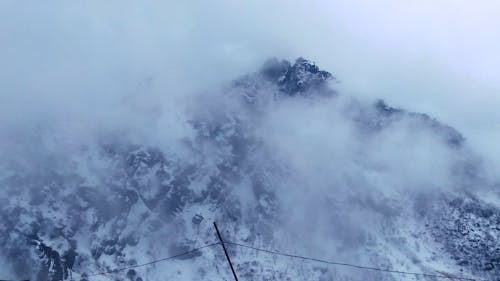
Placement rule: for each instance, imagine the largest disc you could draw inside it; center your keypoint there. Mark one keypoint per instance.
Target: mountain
(281, 161)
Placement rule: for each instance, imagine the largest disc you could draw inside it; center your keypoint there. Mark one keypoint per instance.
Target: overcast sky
(79, 59)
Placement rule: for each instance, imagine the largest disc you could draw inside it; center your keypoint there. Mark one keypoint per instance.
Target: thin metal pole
(225, 252)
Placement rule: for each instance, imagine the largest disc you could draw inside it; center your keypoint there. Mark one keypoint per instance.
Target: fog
(73, 74)
(84, 61)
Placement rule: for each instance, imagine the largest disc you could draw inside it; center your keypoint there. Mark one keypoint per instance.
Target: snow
(121, 203)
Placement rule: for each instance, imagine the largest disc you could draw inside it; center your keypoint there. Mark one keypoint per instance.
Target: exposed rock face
(298, 79)
(118, 203)
(469, 230)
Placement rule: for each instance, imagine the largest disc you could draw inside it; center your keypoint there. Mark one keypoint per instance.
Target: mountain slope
(280, 161)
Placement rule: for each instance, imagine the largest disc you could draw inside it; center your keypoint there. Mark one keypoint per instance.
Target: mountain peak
(297, 78)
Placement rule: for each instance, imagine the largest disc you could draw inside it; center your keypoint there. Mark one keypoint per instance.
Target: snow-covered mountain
(281, 161)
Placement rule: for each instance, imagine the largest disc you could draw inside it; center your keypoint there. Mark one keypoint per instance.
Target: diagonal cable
(150, 262)
(348, 264)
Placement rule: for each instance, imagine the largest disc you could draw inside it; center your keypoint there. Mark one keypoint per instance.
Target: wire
(349, 265)
(149, 263)
(280, 254)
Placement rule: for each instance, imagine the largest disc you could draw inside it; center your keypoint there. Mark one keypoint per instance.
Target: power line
(350, 265)
(281, 254)
(150, 262)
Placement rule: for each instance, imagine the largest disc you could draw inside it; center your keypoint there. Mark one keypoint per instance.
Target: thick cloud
(88, 61)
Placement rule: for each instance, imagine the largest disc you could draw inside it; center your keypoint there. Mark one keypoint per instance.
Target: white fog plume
(116, 133)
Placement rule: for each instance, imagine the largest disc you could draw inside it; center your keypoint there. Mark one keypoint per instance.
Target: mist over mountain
(278, 157)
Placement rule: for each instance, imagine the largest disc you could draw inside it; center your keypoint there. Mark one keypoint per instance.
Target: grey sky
(63, 60)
